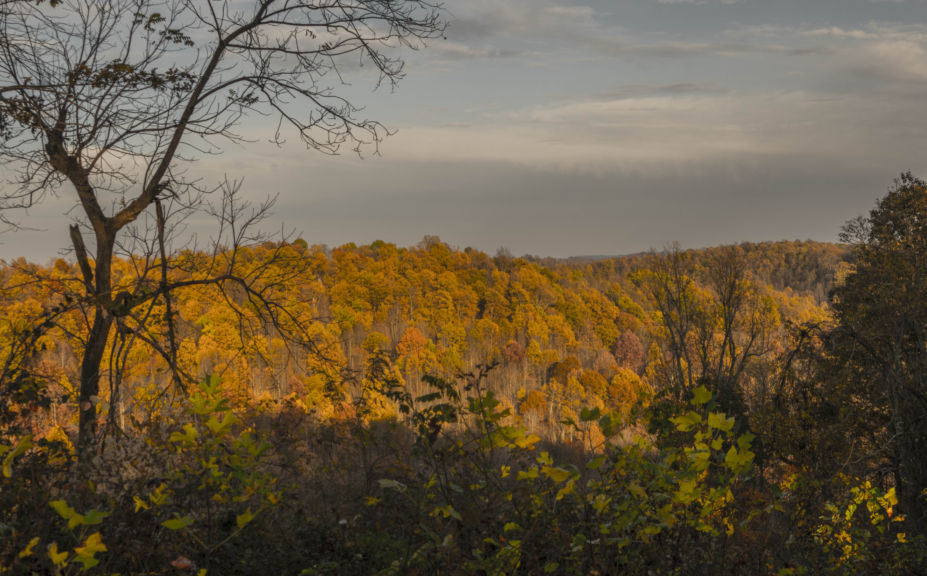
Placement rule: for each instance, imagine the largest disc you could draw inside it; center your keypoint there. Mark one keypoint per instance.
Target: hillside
(558, 330)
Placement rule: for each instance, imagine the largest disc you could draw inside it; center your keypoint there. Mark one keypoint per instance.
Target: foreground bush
(449, 485)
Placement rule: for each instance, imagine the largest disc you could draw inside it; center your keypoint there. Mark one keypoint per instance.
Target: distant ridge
(595, 257)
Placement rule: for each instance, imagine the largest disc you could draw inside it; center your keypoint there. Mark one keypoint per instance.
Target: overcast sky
(559, 128)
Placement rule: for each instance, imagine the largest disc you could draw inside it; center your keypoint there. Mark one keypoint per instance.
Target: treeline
(429, 410)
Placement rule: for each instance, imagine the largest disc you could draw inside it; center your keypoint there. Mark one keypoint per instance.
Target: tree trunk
(95, 349)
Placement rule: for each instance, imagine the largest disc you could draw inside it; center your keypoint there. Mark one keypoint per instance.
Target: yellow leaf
(61, 507)
(27, 551)
(59, 559)
(718, 421)
(568, 488)
(159, 496)
(24, 444)
(529, 474)
(527, 442)
(891, 498)
(86, 553)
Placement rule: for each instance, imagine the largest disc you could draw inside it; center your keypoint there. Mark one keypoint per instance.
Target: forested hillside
(388, 410)
(559, 336)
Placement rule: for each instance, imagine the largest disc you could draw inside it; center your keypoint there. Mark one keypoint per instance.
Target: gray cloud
(675, 89)
(460, 51)
(698, 2)
(604, 126)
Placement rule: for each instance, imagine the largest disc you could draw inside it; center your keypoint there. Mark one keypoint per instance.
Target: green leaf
(638, 491)
(94, 517)
(596, 462)
(219, 428)
(717, 421)
(745, 441)
(688, 491)
(732, 458)
(177, 523)
(510, 526)
(556, 473)
(189, 435)
(244, 518)
(211, 383)
(738, 461)
(610, 424)
(701, 460)
(85, 554)
(700, 396)
(687, 421)
(587, 415)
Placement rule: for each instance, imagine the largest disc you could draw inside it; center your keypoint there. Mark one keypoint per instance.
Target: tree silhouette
(111, 99)
(881, 309)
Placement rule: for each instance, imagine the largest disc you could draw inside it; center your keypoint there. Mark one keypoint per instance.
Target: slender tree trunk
(95, 349)
(90, 382)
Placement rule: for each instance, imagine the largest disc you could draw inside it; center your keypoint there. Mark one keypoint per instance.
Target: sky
(604, 127)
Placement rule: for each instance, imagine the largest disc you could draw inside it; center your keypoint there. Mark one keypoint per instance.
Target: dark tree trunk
(96, 347)
(90, 382)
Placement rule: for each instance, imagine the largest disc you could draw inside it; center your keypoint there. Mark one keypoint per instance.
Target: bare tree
(669, 283)
(713, 329)
(110, 99)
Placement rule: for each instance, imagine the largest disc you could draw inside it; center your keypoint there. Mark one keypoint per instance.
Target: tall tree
(109, 99)
(881, 309)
